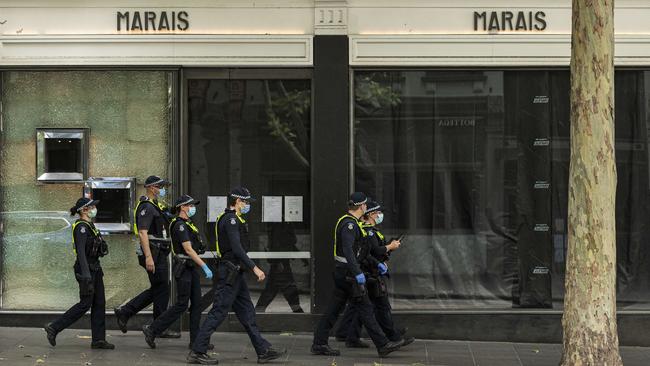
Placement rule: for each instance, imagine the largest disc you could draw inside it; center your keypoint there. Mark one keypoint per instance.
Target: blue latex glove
(383, 268)
(361, 278)
(206, 269)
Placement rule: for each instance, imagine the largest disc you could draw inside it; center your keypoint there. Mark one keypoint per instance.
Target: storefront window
(256, 133)
(473, 166)
(128, 118)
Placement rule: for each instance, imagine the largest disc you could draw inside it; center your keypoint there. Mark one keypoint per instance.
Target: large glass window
(473, 165)
(128, 117)
(256, 133)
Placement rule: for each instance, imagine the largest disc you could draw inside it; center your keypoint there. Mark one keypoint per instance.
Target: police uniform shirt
(180, 233)
(83, 239)
(148, 217)
(230, 241)
(348, 233)
(377, 244)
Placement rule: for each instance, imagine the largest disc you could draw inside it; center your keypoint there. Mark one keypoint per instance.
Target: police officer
(88, 246)
(150, 222)
(349, 282)
(374, 265)
(186, 246)
(232, 292)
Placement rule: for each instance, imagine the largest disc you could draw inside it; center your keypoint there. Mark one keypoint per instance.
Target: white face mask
(380, 218)
(92, 212)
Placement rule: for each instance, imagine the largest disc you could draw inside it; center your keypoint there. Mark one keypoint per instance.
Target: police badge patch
(83, 230)
(143, 212)
(181, 228)
(233, 222)
(350, 226)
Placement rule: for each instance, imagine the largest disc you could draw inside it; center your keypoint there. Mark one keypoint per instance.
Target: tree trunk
(589, 320)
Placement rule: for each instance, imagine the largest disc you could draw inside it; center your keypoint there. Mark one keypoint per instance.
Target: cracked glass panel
(128, 115)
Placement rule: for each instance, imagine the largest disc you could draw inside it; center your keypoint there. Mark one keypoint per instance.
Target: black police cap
(358, 199)
(242, 193)
(185, 200)
(154, 180)
(373, 206)
(84, 202)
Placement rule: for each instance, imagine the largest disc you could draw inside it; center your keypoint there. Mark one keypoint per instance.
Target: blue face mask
(191, 211)
(162, 192)
(380, 218)
(246, 209)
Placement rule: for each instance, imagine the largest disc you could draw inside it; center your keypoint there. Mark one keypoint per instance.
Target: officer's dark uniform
(88, 247)
(350, 327)
(151, 215)
(349, 237)
(232, 292)
(186, 273)
(280, 277)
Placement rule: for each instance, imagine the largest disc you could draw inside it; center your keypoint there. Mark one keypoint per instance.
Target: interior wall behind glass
(128, 116)
(473, 166)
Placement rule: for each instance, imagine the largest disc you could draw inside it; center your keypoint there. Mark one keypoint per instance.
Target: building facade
(454, 116)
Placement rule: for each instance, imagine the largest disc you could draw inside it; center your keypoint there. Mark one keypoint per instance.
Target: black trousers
(237, 297)
(361, 305)
(189, 292)
(280, 278)
(96, 303)
(350, 326)
(157, 293)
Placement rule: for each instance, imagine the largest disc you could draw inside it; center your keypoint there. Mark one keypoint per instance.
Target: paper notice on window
(271, 208)
(293, 208)
(216, 205)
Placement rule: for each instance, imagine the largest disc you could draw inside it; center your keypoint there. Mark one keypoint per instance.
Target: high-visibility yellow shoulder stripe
(74, 226)
(359, 223)
(158, 205)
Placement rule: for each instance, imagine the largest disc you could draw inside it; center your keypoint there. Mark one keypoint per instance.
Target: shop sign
(155, 21)
(500, 21)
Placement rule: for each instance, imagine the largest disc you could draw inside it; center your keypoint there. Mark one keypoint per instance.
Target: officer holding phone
(375, 265)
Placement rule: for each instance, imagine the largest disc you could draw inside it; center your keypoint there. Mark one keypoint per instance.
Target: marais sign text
(153, 21)
(517, 21)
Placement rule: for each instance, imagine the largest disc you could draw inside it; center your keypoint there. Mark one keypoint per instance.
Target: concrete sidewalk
(28, 346)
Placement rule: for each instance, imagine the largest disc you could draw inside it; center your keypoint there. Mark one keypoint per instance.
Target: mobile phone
(401, 237)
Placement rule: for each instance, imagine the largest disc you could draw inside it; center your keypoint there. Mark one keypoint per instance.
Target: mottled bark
(589, 321)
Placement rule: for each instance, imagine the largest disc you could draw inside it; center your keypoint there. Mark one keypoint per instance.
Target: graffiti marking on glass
(541, 227)
(456, 122)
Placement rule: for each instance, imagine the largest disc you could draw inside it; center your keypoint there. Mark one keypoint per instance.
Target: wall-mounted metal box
(117, 197)
(62, 154)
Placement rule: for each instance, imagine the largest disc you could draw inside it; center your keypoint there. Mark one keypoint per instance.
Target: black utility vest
(224, 248)
(195, 237)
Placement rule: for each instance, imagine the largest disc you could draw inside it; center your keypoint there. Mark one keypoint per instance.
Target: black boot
(270, 354)
(388, 348)
(407, 340)
(149, 337)
(201, 359)
(51, 334)
(102, 345)
(121, 319)
(324, 349)
(170, 334)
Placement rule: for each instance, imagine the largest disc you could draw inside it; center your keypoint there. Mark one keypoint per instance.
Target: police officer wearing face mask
(88, 247)
(186, 247)
(150, 223)
(232, 292)
(374, 264)
(350, 281)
